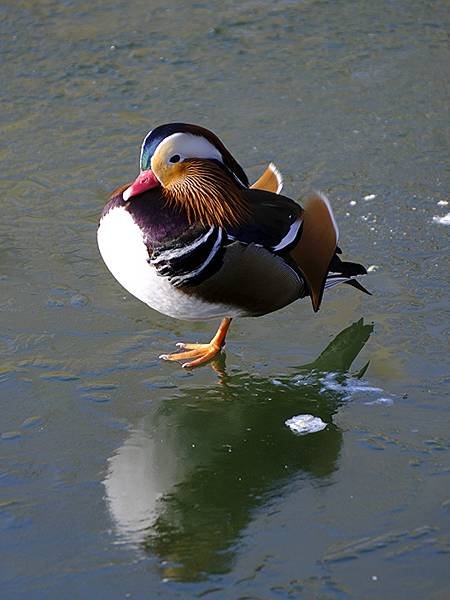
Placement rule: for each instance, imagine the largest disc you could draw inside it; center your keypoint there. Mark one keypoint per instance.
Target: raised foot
(201, 353)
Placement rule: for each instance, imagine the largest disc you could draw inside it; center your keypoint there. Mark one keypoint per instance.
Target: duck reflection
(184, 485)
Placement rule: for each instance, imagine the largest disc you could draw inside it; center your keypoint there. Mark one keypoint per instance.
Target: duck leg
(201, 353)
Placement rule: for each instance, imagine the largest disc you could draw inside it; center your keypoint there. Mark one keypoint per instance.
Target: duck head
(196, 173)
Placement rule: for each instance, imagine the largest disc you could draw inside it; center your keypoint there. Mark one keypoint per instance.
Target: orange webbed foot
(200, 353)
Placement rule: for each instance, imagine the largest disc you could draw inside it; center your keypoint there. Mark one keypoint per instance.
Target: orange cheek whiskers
(207, 196)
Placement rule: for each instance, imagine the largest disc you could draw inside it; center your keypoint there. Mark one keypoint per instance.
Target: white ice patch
(385, 401)
(443, 203)
(445, 220)
(303, 424)
(351, 388)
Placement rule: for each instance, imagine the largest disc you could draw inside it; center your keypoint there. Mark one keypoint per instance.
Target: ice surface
(385, 401)
(445, 220)
(351, 388)
(303, 424)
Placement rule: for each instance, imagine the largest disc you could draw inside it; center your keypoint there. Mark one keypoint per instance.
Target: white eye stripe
(188, 145)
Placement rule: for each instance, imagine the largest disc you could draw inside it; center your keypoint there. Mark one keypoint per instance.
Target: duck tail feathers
(349, 269)
(345, 272)
(335, 279)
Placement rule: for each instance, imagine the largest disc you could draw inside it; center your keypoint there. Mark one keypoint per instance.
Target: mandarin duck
(193, 240)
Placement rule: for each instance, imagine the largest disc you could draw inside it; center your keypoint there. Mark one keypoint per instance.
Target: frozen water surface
(303, 424)
(126, 477)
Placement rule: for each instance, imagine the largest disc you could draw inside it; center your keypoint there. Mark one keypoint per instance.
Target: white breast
(122, 247)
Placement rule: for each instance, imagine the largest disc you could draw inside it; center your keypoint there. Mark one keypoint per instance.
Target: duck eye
(175, 158)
